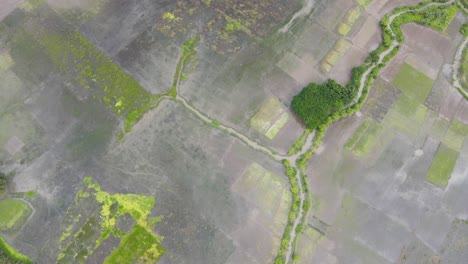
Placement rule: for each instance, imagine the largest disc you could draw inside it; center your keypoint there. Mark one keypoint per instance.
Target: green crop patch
(439, 127)
(8, 255)
(13, 215)
(93, 70)
(84, 234)
(369, 139)
(396, 120)
(411, 109)
(140, 246)
(358, 134)
(455, 135)
(363, 3)
(413, 83)
(442, 166)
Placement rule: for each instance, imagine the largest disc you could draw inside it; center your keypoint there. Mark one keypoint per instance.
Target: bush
(464, 30)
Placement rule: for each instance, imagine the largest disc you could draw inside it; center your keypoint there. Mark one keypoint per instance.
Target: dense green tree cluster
(318, 101)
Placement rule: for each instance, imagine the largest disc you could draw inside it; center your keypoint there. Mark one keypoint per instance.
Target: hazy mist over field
(144, 131)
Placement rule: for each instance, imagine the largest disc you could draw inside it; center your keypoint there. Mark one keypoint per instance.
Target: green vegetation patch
(456, 135)
(353, 15)
(8, 255)
(413, 83)
(3, 183)
(264, 189)
(188, 51)
(436, 16)
(140, 246)
(343, 29)
(333, 57)
(79, 241)
(463, 70)
(5, 61)
(368, 139)
(13, 215)
(110, 85)
(363, 3)
(411, 109)
(316, 102)
(464, 30)
(307, 245)
(271, 117)
(439, 127)
(352, 141)
(396, 120)
(442, 166)
(342, 45)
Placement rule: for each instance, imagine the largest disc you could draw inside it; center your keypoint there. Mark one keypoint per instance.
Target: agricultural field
(378, 208)
(152, 131)
(14, 214)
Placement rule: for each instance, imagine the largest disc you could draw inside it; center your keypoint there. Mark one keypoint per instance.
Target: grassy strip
(112, 207)
(463, 71)
(10, 255)
(291, 172)
(357, 74)
(188, 51)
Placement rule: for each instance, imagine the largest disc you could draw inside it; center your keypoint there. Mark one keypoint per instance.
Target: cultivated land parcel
(179, 111)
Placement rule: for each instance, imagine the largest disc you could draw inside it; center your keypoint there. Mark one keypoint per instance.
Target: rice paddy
(442, 166)
(413, 83)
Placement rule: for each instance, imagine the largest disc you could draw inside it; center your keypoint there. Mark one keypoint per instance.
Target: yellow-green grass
(343, 29)
(9, 255)
(333, 57)
(276, 127)
(394, 119)
(413, 83)
(456, 135)
(368, 141)
(342, 45)
(463, 70)
(326, 67)
(98, 227)
(358, 134)
(267, 191)
(5, 61)
(442, 166)
(30, 5)
(411, 109)
(271, 117)
(353, 15)
(307, 245)
(363, 3)
(439, 127)
(264, 189)
(110, 85)
(140, 246)
(13, 214)
(367, 138)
